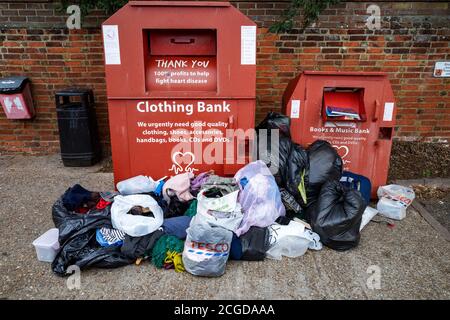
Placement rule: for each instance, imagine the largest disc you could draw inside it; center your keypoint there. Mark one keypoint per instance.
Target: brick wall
(35, 42)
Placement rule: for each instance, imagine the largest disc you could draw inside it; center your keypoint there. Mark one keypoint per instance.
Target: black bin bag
(293, 164)
(78, 245)
(336, 216)
(325, 164)
(296, 174)
(275, 121)
(255, 242)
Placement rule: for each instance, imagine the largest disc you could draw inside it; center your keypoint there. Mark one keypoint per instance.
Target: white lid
(48, 238)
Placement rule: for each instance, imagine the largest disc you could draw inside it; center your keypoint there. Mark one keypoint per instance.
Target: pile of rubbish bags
(196, 223)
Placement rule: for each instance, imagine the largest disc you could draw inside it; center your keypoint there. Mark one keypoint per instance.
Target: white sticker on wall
(295, 109)
(388, 111)
(442, 69)
(248, 45)
(111, 44)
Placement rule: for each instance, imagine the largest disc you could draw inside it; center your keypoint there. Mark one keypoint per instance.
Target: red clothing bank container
(179, 74)
(15, 98)
(354, 111)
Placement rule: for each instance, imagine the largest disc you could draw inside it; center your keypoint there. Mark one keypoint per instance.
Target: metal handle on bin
(376, 110)
(182, 41)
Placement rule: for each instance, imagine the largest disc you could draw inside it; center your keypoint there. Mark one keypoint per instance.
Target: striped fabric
(112, 235)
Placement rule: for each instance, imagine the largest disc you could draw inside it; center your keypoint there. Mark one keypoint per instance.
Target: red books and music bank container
(179, 75)
(354, 111)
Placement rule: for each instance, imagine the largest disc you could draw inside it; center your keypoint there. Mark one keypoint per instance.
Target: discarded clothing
(109, 195)
(179, 186)
(227, 184)
(236, 248)
(260, 199)
(78, 197)
(135, 226)
(165, 244)
(174, 260)
(141, 211)
(102, 204)
(176, 208)
(192, 210)
(159, 199)
(140, 247)
(109, 237)
(217, 206)
(77, 240)
(177, 226)
(199, 181)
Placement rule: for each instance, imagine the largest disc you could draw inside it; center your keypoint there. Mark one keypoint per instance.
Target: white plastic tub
(47, 245)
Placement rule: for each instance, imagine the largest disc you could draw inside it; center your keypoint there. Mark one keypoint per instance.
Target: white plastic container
(47, 245)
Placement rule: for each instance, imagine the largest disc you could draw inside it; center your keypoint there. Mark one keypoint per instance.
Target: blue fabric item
(243, 182)
(159, 188)
(75, 197)
(236, 248)
(358, 182)
(102, 242)
(177, 226)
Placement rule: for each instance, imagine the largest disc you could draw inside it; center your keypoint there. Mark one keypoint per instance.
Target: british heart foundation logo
(182, 158)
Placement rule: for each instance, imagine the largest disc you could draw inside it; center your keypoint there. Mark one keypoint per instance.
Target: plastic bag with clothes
(77, 238)
(135, 185)
(206, 249)
(291, 240)
(259, 197)
(223, 211)
(325, 164)
(336, 216)
(394, 200)
(135, 225)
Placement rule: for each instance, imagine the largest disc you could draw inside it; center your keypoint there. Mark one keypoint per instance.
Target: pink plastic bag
(259, 196)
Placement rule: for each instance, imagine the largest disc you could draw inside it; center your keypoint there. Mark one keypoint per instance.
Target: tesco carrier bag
(206, 249)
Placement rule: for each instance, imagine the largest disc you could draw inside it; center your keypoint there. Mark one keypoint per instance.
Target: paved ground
(414, 261)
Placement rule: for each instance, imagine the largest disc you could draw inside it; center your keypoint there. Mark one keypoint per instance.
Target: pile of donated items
(196, 223)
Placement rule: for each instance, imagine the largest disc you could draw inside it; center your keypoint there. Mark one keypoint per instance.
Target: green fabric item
(302, 187)
(192, 210)
(164, 244)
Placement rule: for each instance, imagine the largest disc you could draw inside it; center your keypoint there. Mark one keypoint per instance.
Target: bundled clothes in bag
(336, 216)
(259, 197)
(206, 249)
(135, 225)
(77, 238)
(218, 206)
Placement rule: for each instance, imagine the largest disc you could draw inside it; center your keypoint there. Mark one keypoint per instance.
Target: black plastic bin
(77, 123)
